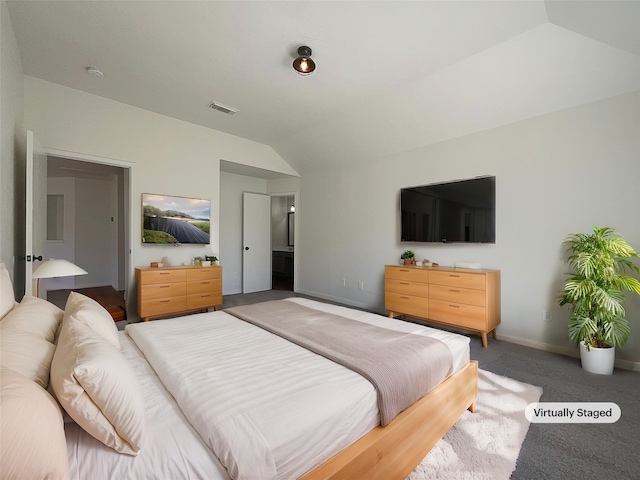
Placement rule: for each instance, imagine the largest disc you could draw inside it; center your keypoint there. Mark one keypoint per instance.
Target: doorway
(282, 241)
(88, 224)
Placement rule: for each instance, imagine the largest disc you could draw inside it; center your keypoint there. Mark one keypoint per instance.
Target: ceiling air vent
(223, 108)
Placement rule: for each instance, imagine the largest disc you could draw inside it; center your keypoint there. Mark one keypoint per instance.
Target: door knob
(246, 248)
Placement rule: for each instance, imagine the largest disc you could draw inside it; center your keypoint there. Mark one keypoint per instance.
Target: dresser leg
(493, 332)
(485, 343)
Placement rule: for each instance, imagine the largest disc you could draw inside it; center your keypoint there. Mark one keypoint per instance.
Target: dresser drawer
(467, 296)
(204, 273)
(455, 279)
(407, 304)
(163, 306)
(469, 316)
(412, 274)
(204, 286)
(163, 290)
(149, 277)
(406, 287)
(203, 300)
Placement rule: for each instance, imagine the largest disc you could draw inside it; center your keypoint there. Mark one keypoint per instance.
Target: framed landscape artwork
(175, 220)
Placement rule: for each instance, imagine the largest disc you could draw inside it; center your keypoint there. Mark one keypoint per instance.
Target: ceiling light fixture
(94, 72)
(303, 64)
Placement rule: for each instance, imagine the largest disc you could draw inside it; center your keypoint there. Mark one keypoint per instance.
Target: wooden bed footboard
(394, 451)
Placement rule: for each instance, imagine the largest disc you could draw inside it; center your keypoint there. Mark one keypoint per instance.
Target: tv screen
(458, 211)
(175, 220)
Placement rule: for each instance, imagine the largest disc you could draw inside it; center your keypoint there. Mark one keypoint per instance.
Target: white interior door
(36, 208)
(256, 237)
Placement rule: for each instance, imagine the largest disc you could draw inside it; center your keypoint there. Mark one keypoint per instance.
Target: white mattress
(298, 408)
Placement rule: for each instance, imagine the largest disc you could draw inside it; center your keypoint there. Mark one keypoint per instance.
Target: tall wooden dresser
(457, 297)
(167, 291)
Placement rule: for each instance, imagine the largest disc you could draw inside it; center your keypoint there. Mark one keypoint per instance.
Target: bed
(312, 426)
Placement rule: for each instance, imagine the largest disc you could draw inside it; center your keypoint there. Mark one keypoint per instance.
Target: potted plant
(594, 292)
(408, 256)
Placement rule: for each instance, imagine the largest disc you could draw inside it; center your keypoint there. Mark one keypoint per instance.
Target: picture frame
(173, 220)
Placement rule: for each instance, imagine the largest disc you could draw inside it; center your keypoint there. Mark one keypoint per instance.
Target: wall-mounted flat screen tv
(175, 220)
(450, 212)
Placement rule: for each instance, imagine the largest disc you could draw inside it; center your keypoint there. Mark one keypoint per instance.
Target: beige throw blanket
(403, 367)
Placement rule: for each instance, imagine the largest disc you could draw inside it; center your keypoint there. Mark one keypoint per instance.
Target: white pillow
(26, 338)
(98, 388)
(35, 315)
(7, 297)
(31, 431)
(93, 315)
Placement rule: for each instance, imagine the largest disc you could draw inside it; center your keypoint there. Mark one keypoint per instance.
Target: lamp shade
(57, 268)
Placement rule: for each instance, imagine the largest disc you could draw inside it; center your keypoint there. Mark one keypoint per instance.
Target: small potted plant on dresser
(594, 292)
(408, 256)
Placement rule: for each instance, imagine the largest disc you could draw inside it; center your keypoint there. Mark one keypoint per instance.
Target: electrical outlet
(361, 285)
(235, 274)
(546, 315)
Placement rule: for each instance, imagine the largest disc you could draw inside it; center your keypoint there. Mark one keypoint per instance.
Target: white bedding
(458, 344)
(171, 449)
(299, 408)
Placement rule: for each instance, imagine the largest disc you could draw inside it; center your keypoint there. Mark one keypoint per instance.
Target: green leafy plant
(595, 288)
(408, 254)
(211, 258)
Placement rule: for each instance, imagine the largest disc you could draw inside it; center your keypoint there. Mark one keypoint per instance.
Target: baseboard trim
(570, 352)
(339, 300)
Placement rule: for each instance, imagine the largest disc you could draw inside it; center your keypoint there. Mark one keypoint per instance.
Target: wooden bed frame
(394, 451)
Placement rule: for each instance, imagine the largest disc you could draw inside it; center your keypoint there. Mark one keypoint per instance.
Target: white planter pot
(598, 360)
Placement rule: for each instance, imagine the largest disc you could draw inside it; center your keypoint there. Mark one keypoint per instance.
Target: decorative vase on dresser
(463, 298)
(166, 291)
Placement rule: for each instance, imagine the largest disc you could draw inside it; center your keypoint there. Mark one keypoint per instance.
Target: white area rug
(485, 444)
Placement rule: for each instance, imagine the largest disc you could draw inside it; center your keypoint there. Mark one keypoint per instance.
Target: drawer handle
(165, 301)
(454, 306)
(205, 283)
(164, 286)
(452, 290)
(404, 270)
(404, 283)
(205, 296)
(455, 276)
(404, 298)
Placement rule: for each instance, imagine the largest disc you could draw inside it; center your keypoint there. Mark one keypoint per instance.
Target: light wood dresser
(166, 291)
(463, 298)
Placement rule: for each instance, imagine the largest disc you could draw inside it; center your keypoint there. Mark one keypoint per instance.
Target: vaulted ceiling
(391, 76)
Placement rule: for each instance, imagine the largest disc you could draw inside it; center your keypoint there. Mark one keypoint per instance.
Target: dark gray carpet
(555, 451)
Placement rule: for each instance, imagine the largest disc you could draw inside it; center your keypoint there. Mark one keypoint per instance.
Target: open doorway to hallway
(88, 224)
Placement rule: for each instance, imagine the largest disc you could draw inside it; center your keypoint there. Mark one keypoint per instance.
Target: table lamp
(56, 268)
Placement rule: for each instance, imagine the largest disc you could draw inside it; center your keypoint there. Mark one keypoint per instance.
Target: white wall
(231, 189)
(556, 174)
(94, 231)
(12, 147)
(64, 248)
(170, 156)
